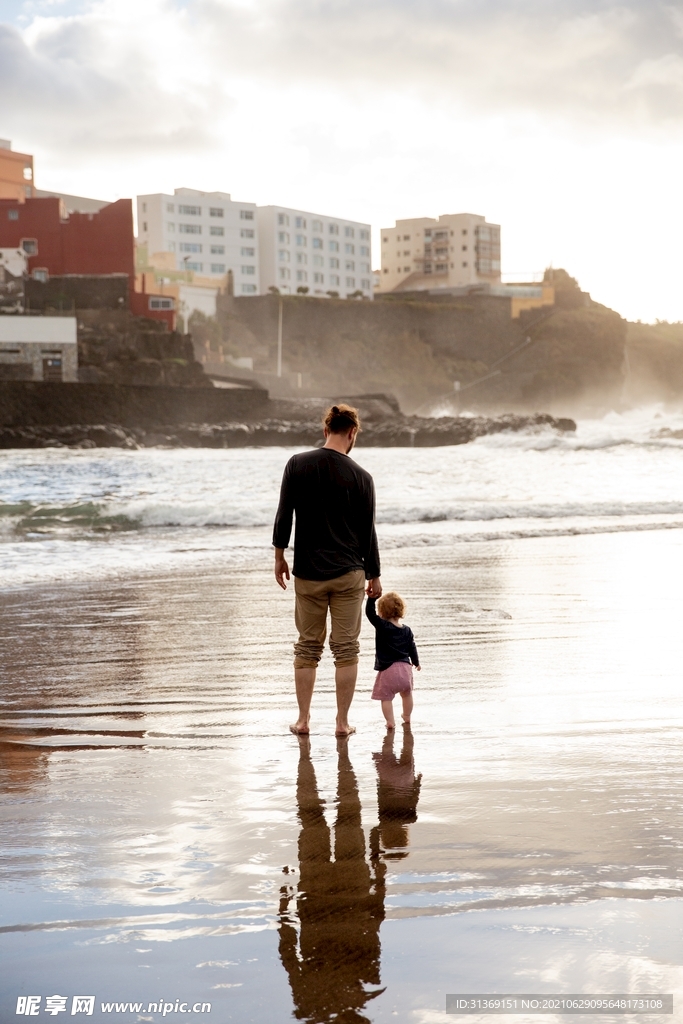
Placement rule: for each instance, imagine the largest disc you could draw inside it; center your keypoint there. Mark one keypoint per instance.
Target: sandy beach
(167, 839)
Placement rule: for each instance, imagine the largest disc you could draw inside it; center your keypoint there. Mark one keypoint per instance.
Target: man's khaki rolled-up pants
(344, 598)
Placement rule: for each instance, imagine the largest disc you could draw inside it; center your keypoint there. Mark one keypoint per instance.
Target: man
(335, 551)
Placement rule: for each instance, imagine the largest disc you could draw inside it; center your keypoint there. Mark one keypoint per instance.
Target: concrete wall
(27, 403)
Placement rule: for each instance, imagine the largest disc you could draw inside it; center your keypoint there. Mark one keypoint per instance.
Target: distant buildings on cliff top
(193, 244)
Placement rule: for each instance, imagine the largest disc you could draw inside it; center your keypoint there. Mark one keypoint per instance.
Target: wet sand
(166, 838)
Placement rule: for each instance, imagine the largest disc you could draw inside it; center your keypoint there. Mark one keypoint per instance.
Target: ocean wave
(102, 519)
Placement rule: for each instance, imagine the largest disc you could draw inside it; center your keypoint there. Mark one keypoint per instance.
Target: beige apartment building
(456, 250)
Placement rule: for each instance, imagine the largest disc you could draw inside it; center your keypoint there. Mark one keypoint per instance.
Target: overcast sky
(559, 119)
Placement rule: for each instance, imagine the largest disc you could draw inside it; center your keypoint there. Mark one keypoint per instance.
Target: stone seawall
(44, 404)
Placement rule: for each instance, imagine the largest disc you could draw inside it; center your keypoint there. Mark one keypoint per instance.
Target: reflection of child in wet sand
(395, 654)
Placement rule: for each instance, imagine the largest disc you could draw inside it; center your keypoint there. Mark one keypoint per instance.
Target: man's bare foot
(300, 729)
(406, 721)
(344, 730)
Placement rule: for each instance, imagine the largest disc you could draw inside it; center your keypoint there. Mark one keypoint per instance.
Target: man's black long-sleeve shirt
(334, 502)
(392, 643)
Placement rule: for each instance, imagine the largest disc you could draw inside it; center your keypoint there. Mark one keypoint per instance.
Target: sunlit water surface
(166, 838)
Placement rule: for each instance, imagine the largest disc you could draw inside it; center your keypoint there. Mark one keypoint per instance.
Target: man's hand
(281, 568)
(374, 588)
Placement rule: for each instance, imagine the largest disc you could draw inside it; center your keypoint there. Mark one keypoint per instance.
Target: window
(349, 248)
(406, 270)
(333, 230)
(317, 243)
(12, 215)
(194, 266)
(386, 270)
(365, 283)
(301, 257)
(144, 207)
(319, 278)
(301, 275)
(218, 268)
(333, 246)
(364, 235)
(192, 211)
(245, 232)
(170, 208)
(317, 225)
(144, 225)
(464, 248)
(406, 238)
(350, 282)
(441, 268)
(283, 237)
(248, 289)
(318, 261)
(285, 273)
(406, 252)
(246, 214)
(190, 247)
(300, 222)
(219, 250)
(216, 211)
(249, 270)
(155, 302)
(190, 229)
(30, 246)
(365, 267)
(301, 239)
(349, 265)
(40, 274)
(216, 231)
(170, 246)
(283, 256)
(464, 264)
(464, 231)
(349, 232)
(334, 262)
(428, 234)
(385, 240)
(283, 219)
(334, 279)
(246, 250)
(364, 251)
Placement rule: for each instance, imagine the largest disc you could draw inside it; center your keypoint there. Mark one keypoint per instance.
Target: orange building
(16, 173)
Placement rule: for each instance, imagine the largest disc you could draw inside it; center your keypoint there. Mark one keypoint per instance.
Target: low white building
(458, 250)
(38, 348)
(311, 252)
(207, 233)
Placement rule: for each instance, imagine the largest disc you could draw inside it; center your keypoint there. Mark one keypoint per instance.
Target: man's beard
(353, 441)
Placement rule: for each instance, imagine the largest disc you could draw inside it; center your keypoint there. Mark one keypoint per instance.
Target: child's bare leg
(407, 699)
(388, 712)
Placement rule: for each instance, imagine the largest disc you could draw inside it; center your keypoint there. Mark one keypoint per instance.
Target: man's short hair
(339, 419)
(391, 606)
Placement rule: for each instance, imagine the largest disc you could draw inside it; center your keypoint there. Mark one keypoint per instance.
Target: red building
(59, 243)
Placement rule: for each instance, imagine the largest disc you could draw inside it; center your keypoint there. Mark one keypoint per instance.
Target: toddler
(394, 651)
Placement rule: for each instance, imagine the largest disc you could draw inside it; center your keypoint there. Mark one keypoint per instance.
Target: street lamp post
(279, 339)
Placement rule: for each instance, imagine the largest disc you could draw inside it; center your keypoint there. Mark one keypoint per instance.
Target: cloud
(88, 84)
(595, 61)
(156, 76)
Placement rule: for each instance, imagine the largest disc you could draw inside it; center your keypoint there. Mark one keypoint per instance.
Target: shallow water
(167, 839)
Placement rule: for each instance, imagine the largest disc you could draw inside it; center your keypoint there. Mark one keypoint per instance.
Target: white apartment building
(325, 255)
(456, 251)
(207, 232)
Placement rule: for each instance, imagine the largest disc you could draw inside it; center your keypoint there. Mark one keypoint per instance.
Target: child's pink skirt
(398, 678)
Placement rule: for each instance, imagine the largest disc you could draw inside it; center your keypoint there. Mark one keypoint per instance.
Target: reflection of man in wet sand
(335, 552)
(398, 791)
(339, 905)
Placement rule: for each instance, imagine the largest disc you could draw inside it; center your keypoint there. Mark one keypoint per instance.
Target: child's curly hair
(391, 606)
